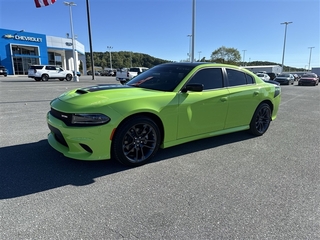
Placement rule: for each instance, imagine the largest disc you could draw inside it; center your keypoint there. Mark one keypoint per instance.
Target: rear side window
(250, 79)
(51, 68)
(134, 69)
(236, 78)
(211, 78)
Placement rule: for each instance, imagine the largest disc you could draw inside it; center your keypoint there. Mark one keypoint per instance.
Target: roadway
(229, 187)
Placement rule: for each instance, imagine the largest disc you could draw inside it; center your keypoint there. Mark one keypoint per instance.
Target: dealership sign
(23, 38)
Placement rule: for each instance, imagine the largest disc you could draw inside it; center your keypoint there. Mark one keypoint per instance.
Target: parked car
(263, 76)
(46, 72)
(167, 105)
(78, 73)
(285, 78)
(104, 73)
(107, 73)
(272, 82)
(112, 73)
(272, 75)
(309, 79)
(3, 71)
(296, 77)
(95, 73)
(126, 75)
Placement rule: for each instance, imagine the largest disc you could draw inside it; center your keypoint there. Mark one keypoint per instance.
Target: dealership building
(20, 49)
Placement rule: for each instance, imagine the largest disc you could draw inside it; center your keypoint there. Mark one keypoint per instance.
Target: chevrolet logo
(8, 36)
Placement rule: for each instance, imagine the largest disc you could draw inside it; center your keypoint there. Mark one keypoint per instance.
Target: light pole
(109, 47)
(244, 54)
(310, 57)
(90, 41)
(189, 54)
(199, 55)
(193, 28)
(75, 69)
(284, 43)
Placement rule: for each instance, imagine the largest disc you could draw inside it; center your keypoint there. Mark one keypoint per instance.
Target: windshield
(162, 77)
(260, 75)
(308, 75)
(284, 75)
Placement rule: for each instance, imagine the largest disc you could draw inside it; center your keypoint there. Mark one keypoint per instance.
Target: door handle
(255, 92)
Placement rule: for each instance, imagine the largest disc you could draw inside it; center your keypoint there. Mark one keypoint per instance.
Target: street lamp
(75, 69)
(244, 54)
(90, 41)
(310, 57)
(193, 28)
(109, 47)
(284, 43)
(189, 54)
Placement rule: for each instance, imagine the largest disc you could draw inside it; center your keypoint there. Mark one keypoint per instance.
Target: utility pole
(310, 57)
(284, 43)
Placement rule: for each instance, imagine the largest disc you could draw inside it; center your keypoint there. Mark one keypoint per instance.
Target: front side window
(211, 78)
(236, 78)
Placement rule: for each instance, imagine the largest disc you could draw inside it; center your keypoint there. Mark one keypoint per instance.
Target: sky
(160, 28)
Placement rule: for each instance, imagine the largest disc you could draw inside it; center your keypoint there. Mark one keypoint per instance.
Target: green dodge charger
(167, 105)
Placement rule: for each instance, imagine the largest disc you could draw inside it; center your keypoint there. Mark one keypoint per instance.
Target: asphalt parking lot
(229, 187)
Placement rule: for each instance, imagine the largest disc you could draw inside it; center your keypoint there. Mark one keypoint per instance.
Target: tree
(226, 55)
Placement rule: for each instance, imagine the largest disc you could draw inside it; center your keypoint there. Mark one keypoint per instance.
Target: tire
(261, 120)
(44, 77)
(69, 77)
(136, 141)
(61, 79)
(37, 79)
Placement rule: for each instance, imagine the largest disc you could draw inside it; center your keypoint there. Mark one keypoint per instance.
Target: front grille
(65, 117)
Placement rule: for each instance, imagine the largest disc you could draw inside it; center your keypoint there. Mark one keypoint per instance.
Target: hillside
(124, 59)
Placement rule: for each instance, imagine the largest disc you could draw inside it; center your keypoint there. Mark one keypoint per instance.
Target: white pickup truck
(125, 74)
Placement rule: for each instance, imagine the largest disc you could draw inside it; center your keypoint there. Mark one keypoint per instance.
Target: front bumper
(307, 82)
(82, 143)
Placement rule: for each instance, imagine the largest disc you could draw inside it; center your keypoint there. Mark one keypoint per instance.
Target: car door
(203, 112)
(243, 98)
(52, 71)
(60, 72)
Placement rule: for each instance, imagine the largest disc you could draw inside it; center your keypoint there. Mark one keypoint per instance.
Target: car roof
(195, 64)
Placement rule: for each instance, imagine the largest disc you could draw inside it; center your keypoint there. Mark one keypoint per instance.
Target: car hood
(308, 78)
(100, 95)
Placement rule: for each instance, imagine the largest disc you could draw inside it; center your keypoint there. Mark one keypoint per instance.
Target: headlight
(89, 119)
(277, 91)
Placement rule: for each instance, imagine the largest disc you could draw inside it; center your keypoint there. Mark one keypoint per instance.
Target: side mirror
(193, 87)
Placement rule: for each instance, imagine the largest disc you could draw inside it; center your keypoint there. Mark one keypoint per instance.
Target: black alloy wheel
(261, 120)
(69, 77)
(45, 77)
(136, 141)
